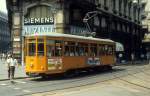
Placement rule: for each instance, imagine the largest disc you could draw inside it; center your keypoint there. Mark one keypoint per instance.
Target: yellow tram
(59, 53)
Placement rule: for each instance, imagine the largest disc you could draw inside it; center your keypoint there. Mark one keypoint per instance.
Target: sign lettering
(37, 29)
(38, 21)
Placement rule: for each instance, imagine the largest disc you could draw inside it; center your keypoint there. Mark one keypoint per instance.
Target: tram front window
(40, 49)
(32, 49)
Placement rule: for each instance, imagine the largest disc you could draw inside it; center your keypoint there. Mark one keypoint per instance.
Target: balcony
(144, 15)
(114, 11)
(143, 1)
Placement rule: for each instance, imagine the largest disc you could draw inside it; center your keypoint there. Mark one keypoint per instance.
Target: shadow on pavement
(81, 74)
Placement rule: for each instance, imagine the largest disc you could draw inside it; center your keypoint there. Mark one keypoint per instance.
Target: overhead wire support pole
(88, 16)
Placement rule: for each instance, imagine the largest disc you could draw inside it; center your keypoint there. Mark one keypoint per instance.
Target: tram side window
(75, 49)
(101, 51)
(106, 49)
(54, 48)
(110, 50)
(93, 50)
(67, 51)
(50, 47)
(86, 50)
(58, 48)
(50, 51)
(82, 49)
(32, 49)
(69, 48)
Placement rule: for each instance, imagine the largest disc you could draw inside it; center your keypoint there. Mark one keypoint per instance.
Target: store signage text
(38, 21)
(78, 30)
(37, 29)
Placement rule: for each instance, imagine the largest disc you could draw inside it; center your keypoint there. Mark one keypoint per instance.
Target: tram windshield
(40, 47)
(32, 46)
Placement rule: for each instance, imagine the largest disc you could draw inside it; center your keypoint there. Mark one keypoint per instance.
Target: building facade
(146, 25)
(4, 33)
(119, 20)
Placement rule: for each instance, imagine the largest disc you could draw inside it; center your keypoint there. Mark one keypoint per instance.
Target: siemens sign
(34, 26)
(38, 21)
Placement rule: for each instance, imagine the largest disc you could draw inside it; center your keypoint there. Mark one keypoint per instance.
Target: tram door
(41, 54)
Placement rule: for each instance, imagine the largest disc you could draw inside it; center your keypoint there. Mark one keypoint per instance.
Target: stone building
(119, 20)
(146, 26)
(4, 33)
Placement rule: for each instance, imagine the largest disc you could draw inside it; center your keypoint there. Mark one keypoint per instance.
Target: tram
(60, 53)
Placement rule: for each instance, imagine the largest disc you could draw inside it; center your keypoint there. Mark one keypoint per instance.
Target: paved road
(112, 83)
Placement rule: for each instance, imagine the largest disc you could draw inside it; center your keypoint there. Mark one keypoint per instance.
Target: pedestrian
(142, 57)
(132, 58)
(3, 56)
(120, 57)
(11, 63)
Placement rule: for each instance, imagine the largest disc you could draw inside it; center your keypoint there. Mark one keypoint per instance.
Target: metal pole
(22, 38)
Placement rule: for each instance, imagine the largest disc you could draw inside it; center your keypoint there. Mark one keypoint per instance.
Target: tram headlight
(31, 65)
(42, 67)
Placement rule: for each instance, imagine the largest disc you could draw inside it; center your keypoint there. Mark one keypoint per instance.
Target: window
(114, 4)
(66, 50)
(110, 50)
(32, 49)
(82, 49)
(69, 48)
(54, 48)
(101, 49)
(50, 51)
(40, 49)
(58, 48)
(93, 49)
(76, 49)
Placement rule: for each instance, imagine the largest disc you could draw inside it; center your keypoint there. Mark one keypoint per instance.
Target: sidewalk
(19, 71)
(135, 62)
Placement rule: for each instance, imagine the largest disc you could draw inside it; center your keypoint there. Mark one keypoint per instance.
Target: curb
(15, 78)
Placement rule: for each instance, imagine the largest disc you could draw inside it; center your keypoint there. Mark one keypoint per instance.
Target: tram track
(80, 81)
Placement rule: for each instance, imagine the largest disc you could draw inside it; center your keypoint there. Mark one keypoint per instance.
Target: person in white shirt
(11, 63)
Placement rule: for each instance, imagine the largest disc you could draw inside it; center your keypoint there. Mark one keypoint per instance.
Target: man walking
(11, 63)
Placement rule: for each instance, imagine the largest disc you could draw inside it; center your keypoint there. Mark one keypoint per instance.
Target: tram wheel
(69, 74)
(45, 76)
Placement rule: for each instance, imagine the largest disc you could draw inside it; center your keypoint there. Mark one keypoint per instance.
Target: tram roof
(71, 36)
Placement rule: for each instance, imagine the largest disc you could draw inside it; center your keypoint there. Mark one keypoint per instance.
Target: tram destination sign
(38, 21)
